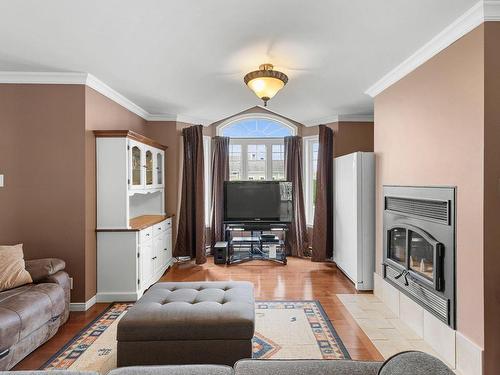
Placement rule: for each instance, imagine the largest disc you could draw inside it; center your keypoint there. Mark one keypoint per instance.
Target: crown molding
(44, 78)
(482, 11)
(161, 117)
(323, 120)
(491, 10)
(115, 96)
(192, 120)
(356, 118)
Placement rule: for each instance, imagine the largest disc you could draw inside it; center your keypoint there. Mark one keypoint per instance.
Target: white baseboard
(469, 356)
(82, 306)
(117, 297)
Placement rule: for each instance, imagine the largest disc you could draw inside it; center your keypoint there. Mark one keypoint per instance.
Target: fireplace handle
(401, 274)
(406, 279)
(404, 273)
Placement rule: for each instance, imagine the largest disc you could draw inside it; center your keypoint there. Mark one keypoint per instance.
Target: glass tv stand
(256, 241)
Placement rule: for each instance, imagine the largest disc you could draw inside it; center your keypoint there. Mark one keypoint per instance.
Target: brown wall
(42, 155)
(47, 153)
(492, 199)
(349, 136)
(429, 131)
(101, 113)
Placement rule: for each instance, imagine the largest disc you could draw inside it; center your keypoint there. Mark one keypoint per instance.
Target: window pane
(278, 165)
(314, 166)
(256, 162)
(234, 162)
(256, 128)
(312, 148)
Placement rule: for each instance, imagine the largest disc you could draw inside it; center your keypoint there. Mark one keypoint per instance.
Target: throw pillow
(12, 271)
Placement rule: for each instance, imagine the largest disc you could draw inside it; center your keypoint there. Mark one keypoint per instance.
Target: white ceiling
(188, 57)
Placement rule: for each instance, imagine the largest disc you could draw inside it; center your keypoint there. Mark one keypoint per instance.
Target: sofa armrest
(306, 367)
(41, 269)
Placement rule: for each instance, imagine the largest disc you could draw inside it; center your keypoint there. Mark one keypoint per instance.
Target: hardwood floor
(300, 279)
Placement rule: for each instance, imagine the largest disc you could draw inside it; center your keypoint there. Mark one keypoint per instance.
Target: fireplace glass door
(421, 255)
(397, 246)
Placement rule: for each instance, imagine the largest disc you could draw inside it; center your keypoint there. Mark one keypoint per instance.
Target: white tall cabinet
(354, 217)
(134, 233)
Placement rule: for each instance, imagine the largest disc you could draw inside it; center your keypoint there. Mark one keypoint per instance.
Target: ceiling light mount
(266, 82)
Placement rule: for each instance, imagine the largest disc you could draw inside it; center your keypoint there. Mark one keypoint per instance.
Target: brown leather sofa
(31, 314)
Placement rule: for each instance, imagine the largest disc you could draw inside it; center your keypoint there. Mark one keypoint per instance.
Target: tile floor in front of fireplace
(384, 329)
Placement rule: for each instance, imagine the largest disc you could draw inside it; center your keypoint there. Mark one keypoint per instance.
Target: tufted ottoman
(188, 323)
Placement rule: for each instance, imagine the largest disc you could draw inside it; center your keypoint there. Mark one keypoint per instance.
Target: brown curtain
(297, 241)
(322, 241)
(191, 232)
(220, 173)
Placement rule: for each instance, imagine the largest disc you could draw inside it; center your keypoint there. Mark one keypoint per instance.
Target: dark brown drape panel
(297, 241)
(322, 242)
(220, 173)
(191, 232)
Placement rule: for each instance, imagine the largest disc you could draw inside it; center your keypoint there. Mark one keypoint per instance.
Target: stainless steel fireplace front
(419, 246)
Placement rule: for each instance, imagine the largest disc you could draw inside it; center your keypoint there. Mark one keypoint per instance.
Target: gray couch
(31, 314)
(406, 363)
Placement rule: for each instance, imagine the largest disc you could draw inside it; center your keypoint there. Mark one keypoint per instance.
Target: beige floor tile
(404, 330)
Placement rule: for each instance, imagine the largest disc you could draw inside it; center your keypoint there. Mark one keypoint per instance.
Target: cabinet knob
(165, 249)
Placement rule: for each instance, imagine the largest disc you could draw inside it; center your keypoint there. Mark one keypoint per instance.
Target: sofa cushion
(191, 311)
(41, 269)
(306, 367)
(414, 363)
(12, 271)
(27, 308)
(174, 370)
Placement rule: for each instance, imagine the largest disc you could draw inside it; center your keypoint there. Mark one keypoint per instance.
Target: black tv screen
(254, 201)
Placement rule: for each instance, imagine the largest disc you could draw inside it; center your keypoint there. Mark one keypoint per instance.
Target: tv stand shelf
(256, 246)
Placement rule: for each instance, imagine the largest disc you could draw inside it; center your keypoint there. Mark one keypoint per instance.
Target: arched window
(256, 127)
(256, 150)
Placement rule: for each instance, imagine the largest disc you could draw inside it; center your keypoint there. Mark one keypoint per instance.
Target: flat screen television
(258, 201)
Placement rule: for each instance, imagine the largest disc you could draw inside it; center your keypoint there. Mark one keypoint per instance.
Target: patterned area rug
(284, 329)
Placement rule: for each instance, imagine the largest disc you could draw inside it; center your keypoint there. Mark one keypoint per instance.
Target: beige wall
(429, 131)
(42, 154)
(492, 199)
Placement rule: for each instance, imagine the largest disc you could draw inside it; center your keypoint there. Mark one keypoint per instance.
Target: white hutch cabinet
(134, 233)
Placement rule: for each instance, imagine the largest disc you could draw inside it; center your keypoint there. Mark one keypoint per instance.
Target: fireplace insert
(419, 246)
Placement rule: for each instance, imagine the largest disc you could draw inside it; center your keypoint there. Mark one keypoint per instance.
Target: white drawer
(159, 228)
(146, 234)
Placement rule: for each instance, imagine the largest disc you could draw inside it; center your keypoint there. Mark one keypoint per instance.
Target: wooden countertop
(140, 223)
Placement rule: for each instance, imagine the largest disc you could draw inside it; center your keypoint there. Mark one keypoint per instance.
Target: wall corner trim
(482, 11)
(82, 306)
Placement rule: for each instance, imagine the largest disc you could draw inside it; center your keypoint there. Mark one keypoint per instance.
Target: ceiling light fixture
(266, 82)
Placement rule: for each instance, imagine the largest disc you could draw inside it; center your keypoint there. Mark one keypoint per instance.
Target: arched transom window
(256, 128)
(256, 149)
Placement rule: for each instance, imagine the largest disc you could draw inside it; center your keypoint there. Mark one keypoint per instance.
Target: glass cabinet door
(159, 169)
(136, 166)
(149, 168)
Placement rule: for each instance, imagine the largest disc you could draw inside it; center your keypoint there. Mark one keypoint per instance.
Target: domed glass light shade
(266, 82)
